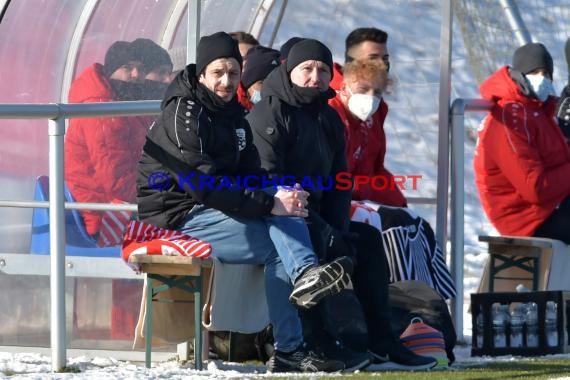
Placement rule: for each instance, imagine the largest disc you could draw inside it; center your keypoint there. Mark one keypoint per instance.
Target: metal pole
(458, 201)
(443, 140)
(56, 130)
(457, 217)
(516, 22)
(194, 9)
(278, 23)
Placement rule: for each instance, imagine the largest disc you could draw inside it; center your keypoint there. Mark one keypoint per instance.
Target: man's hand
(291, 202)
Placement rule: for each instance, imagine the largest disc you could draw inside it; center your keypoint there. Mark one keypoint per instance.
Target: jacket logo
(240, 133)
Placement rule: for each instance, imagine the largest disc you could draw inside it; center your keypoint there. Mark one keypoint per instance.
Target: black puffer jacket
(198, 136)
(563, 112)
(298, 134)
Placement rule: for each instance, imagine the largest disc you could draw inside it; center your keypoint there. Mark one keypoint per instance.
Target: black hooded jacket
(195, 153)
(298, 134)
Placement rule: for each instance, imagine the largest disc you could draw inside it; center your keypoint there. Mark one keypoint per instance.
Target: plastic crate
(483, 302)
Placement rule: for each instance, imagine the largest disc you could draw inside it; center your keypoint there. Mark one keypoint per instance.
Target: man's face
(370, 50)
(222, 77)
(130, 72)
(160, 74)
(312, 73)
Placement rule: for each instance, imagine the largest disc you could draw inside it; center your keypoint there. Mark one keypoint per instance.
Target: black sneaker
(353, 360)
(302, 360)
(320, 281)
(399, 358)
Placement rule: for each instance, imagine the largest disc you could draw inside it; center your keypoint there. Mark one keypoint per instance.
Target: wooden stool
(531, 261)
(180, 272)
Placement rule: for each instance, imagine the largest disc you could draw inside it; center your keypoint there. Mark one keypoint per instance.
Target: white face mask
(255, 97)
(363, 106)
(540, 85)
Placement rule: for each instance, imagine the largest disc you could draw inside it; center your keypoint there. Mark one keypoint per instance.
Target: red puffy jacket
(101, 154)
(522, 161)
(366, 149)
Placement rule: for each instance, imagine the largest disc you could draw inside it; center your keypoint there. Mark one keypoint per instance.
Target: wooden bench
(170, 272)
(537, 263)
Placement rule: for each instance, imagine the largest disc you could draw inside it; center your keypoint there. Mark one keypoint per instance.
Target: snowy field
(414, 50)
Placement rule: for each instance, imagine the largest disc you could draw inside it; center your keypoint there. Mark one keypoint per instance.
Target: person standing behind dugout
(522, 160)
(201, 132)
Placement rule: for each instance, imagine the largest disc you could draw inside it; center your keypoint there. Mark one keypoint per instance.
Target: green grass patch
(527, 369)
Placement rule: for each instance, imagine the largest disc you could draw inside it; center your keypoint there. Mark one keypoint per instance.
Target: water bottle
(499, 327)
(517, 323)
(551, 324)
(479, 328)
(532, 325)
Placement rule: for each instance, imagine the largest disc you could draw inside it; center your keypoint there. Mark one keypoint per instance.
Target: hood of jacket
(91, 86)
(186, 85)
(279, 84)
(501, 86)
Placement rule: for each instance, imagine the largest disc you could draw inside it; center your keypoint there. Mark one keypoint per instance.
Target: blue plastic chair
(78, 241)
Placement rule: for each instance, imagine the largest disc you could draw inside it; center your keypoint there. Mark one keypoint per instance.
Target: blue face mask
(541, 86)
(255, 97)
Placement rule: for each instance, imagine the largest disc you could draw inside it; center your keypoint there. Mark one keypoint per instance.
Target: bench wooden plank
(166, 259)
(517, 240)
(170, 265)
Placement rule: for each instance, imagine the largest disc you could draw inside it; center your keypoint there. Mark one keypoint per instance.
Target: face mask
(255, 97)
(363, 106)
(541, 86)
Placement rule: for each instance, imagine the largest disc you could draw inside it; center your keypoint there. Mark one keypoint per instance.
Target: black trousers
(557, 225)
(370, 280)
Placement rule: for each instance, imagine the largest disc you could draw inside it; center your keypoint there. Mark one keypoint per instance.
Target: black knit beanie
(260, 61)
(120, 53)
(307, 50)
(212, 47)
(532, 56)
(151, 54)
(286, 47)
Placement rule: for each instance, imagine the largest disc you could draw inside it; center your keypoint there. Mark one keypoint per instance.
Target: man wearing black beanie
(300, 136)
(563, 106)
(522, 160)
(203, 144)
(261, 61)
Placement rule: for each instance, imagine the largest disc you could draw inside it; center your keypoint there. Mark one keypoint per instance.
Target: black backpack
(411, 299)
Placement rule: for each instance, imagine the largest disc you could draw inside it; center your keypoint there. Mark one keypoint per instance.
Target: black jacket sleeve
(196, 171)
(563, 112)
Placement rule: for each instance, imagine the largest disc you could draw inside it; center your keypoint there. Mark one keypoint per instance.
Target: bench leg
(148, 323)
(198, 323)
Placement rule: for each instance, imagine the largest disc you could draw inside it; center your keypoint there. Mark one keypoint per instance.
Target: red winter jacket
(101, 154)
(242, 97)
(365, 152)
(522, 161)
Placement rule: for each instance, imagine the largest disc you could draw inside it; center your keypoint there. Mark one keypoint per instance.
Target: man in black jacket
(198, 174)
(299, 135)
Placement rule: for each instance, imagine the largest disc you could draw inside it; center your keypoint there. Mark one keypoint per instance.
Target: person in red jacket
(366, 140)
(101, 154)
(361, 108)
(522, 161)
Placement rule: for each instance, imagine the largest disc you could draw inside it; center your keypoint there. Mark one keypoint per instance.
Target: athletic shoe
(353, 360)
(318, 282)
(399, 358)
(302, 360)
